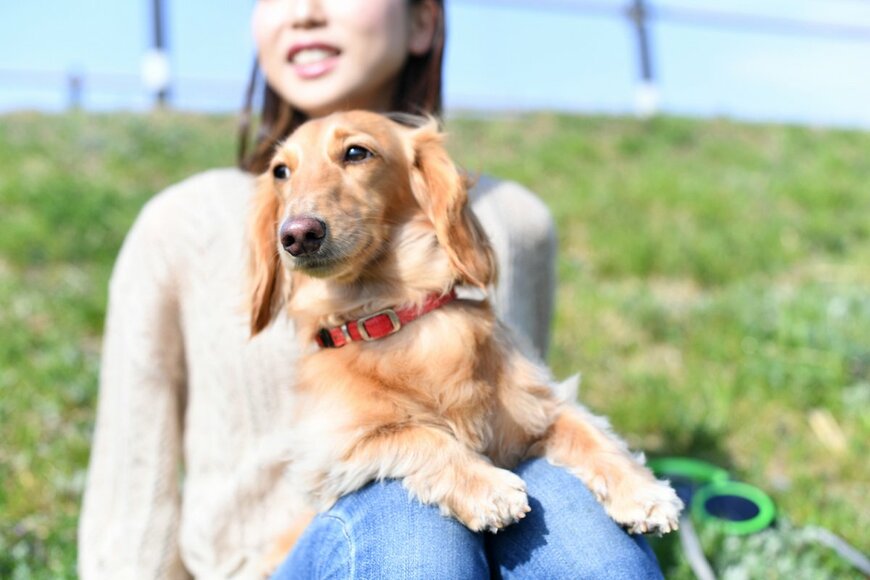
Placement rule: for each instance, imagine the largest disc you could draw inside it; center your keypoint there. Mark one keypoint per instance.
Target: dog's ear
(442, 192)
(266, 275)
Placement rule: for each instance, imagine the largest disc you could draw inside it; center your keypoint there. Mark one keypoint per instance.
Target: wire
(587, 6)
(739, 21)
(693, 551)
(769, 24)
(839, 545)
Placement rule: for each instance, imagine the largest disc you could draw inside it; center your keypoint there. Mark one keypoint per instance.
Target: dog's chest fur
(435, 370)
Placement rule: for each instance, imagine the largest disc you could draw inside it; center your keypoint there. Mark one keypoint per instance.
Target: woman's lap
(380, 532)
(566, 535)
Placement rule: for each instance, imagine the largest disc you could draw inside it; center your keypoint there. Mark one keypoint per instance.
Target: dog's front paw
(490, 500)
(648, 507)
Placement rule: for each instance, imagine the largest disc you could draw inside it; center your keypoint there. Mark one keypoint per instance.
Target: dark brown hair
(418, 91)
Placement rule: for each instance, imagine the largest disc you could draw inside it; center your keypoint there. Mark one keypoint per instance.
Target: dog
(362, 231)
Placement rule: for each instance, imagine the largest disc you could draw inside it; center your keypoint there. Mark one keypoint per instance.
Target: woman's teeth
(311, 55)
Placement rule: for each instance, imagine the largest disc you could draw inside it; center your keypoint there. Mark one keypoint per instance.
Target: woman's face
(327, 55)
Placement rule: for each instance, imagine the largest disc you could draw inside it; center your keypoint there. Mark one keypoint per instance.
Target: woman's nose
(306, 13)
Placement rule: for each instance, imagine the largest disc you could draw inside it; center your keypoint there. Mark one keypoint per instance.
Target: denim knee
(567, 534)
(381, 532)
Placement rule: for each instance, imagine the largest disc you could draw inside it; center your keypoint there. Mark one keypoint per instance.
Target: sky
(509, 55)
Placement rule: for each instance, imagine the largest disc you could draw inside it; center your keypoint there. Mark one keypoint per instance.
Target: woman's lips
(310, 61)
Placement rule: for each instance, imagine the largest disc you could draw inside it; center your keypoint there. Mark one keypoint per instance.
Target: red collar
(380, 324)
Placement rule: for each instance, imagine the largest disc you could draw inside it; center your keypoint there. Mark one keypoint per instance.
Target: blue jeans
(379, 532)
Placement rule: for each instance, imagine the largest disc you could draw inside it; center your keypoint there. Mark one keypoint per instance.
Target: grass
(712, 289)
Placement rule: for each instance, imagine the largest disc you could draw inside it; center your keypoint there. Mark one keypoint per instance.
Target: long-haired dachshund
(362, 230)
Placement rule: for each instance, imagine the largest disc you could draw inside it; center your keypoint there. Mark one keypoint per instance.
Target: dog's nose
(302, 235)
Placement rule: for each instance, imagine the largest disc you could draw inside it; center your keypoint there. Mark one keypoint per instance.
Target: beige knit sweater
(186, 468)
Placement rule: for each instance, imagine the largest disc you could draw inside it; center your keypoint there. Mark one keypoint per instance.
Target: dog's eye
(281, 171)
(355, 154)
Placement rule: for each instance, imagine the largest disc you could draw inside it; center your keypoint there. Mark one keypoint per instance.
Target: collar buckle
(389, 313)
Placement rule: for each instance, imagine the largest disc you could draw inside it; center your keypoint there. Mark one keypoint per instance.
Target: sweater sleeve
(130, 514)
(523, 235)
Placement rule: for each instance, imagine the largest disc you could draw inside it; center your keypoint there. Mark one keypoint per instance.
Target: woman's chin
(329, 94)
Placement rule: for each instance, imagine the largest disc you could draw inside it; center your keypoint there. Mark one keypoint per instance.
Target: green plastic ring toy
(713, 498)
(694, 470)
(734, 507)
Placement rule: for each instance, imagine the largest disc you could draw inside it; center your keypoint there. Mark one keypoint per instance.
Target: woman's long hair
(418, 91)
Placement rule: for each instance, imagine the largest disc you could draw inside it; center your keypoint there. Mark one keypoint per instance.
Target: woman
(186, 468)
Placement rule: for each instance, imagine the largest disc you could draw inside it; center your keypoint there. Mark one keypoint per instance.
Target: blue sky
(498, 58)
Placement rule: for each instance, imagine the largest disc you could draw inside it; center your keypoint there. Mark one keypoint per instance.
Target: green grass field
(714, 290)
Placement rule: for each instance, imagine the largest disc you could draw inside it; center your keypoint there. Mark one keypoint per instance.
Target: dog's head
(336, 191)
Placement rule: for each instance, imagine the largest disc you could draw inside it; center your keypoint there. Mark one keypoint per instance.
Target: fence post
(75, 83)
(159, 49)
(646, 94)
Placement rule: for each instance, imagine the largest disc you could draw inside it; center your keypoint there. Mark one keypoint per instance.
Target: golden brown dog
(360, 214)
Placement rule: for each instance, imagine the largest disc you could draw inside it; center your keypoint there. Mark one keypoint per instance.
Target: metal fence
(641, 16)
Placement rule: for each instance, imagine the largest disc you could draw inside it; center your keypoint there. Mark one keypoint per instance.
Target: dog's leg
(571, 437)
(631, 495)
(438, 469)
